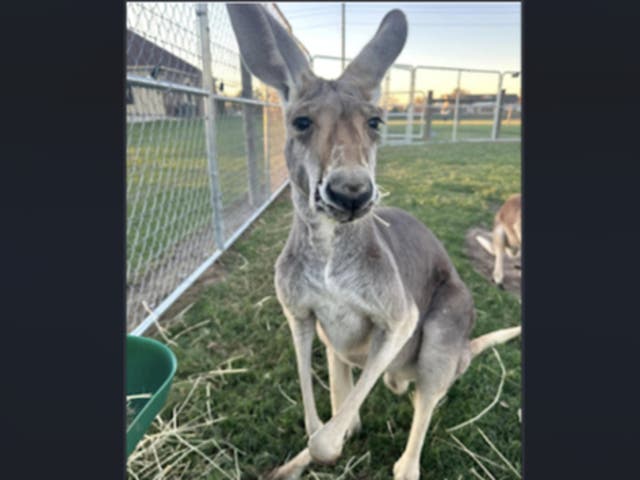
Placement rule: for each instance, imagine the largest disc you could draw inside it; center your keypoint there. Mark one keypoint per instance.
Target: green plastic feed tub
(150, 369)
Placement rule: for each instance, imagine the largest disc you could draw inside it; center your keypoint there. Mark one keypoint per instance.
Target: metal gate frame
(413, 69)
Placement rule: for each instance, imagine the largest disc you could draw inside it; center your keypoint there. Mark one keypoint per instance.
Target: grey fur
(284, 64)
(369, 67)
(374, 283)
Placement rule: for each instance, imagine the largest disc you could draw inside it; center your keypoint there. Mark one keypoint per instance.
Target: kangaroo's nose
(350, 193)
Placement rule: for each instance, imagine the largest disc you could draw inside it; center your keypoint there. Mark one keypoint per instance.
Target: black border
(580, 240)
(62, 241)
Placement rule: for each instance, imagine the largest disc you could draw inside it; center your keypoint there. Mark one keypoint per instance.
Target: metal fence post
(497, 109)
(408, 133)
(503, 93)
(250, 134)
(456, 111)
(210, 124)
(265, 144)
(428, 115)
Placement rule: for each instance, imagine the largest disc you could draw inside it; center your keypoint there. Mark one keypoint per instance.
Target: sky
(453, 34)
(466, 35)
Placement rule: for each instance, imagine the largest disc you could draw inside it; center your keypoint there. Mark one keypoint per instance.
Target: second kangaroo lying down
(506, 235)
(374, 283)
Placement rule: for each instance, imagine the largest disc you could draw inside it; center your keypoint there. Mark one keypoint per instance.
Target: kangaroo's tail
(486, 244)
(488, 340)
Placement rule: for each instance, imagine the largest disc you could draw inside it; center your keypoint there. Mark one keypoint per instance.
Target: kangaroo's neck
(323, 234)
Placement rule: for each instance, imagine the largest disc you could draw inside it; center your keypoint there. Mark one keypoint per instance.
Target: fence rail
(413, 97)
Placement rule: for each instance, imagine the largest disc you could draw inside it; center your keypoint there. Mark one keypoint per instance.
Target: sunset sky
(468, 35)
(465, 35)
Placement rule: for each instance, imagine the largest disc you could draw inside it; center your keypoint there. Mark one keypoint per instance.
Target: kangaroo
(372, 282)
(506, 235)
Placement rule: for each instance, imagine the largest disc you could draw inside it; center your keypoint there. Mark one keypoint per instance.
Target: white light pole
(496, 111)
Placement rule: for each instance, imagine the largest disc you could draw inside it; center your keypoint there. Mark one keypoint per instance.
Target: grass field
(467, 129)
(235, 409)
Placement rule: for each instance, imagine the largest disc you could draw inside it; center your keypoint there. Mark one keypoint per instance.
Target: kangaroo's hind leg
(443, 356)
(431, 386)
(498, 245)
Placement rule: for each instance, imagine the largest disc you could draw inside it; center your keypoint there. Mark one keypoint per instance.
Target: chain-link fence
(443, 104)
(204, 149)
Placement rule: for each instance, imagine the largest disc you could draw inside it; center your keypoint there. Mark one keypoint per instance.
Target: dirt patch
(482, 261)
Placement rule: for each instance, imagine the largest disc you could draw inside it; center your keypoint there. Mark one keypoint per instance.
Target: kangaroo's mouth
(338, 213)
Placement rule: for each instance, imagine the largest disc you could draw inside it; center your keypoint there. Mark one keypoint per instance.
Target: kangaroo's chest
(342, 315)
(342, 327)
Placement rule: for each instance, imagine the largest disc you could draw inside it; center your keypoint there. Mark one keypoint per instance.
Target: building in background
(146, 59)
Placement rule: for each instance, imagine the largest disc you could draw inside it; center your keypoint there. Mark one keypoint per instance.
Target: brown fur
(507, 233)
(340, 116)
(510, 217)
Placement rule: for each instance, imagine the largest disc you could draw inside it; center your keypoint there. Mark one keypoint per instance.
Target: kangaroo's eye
(301, 123)
(374, 122)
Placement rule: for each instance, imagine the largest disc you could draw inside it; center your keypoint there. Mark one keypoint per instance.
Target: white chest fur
(345, 329)
(343, 323)
(330, 281)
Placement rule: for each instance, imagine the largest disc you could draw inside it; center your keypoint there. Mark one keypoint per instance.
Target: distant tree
(454, 92)
(395, 104)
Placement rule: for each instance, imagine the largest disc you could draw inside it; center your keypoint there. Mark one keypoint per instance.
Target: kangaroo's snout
(350, 191)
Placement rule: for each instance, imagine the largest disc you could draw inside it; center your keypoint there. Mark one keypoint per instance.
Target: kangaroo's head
(332, 125)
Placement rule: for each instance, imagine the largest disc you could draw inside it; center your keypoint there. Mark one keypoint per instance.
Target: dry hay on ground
(482, 261)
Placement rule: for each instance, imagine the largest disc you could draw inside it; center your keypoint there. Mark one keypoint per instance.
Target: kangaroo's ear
(267, 49)
(368, 68)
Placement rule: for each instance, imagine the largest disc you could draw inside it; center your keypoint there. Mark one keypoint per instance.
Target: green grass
(450, 188)
(467, 129)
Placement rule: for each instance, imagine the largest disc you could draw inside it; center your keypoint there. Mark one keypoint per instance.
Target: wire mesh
(170, 217)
